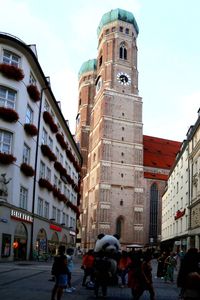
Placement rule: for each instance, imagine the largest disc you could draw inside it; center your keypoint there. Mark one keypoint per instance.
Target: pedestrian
(123, 267)
(88, 266)
(160, 267)
(102, 273)
(189, 275)
(70, 266)
(135, 273)
(59, 270)
(170, 265)
(147, 274)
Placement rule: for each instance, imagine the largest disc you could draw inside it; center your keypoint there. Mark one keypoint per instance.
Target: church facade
(109, 132)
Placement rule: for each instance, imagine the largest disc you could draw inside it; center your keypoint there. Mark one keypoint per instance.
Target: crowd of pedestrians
(132, 269)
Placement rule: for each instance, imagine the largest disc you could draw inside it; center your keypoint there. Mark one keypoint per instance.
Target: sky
(65, 33)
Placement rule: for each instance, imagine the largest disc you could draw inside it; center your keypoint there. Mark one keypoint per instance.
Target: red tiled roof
(159, 153)
(157, 176)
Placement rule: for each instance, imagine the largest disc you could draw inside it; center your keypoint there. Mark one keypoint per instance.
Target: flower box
(33, 92)
(44, 183)
(46, 151)
(8, 114)
(27, 170)
(49, 120)
(30, 129)
(11, 72)
(61, 140)
(6, 159)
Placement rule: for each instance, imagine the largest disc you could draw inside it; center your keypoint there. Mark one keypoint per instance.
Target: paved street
(29, 281)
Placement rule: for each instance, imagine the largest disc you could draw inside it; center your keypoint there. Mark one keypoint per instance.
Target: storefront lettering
(54, 227)
(179, 214)
(21, 216)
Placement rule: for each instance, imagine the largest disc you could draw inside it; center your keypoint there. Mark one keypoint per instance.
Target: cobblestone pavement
(30, 281)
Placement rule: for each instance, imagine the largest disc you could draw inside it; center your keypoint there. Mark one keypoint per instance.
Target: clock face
(123, 78)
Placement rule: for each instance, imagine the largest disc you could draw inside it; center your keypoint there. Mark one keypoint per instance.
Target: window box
(33, 92)
(46, 151)
(11, 72)
(49, 120)
(8, 114)
(61, 141)
(6, 159)
(30, 129)
(44, 183)
(27, 170)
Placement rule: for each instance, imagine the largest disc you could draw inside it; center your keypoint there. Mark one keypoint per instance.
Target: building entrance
(20, 242)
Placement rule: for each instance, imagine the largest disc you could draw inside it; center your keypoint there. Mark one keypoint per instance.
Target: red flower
(61, 140)
(49, 120)
(44, 183)
(8, 114)
(46, 151)
(27, 170)
(6, 159)
(33, 92)
(30, 129)
(11, 72)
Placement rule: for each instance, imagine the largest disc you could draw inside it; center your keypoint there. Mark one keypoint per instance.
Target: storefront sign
(54, 227)
(21, 216)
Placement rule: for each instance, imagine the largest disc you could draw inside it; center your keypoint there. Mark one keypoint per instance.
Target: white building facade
(39, 160)
(181, 200)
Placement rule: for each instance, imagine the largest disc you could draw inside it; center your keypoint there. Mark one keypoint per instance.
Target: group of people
(132, 268)
(188, 279)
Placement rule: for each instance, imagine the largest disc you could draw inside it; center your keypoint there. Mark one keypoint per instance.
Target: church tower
(113, 185)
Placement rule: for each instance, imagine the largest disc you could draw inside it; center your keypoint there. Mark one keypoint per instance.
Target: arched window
(153, 224)
(119, 224)
(123, 51)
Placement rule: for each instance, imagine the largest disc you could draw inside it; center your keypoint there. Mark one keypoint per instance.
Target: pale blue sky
(168, 53)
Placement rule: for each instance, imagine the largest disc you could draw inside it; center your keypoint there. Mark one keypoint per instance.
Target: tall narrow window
(44, 137)
(23, 197)
(123, 51)
(40, 207)
(42, 170)
(11, 58)
(29, 115)
(46, 105)
(153, 226)
(5, 141)
(32, 79)
(46, 209)
(7, 97)
(26, 154)
(119, 226)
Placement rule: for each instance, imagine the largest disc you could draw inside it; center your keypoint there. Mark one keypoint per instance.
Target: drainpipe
(35, 175)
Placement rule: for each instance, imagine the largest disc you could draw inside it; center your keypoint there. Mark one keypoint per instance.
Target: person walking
(88, 266)
(123, 267)
(161, 263)
(59, 270)
(170, 265)
(70, 266)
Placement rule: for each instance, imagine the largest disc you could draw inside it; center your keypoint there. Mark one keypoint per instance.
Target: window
(32, 79)
(64, 218)
(58, 216)
(100, 60)
(26, 154)
(44, 137)
(121, 29)
(153, 226)
(42, 169)
(46, 106)
(54, 213)
(52, 114)
(50, 143)
(46, 209)
(127, 30)
(5, 141)
(40, 207)
(107, 31)
(123, 51)
(55, 181)
(29, 115)
(10, 58)
(57, 152)
(67, 220)
(7, 97)
(113, 29)
(119, 223)
(60, 185)
(23, 200)
(61, 158)
(48, 175)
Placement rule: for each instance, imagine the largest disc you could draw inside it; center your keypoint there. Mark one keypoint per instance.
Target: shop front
(20, 242)
(41, 243)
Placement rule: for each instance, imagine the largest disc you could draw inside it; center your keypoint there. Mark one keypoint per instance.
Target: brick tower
(113, 185)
